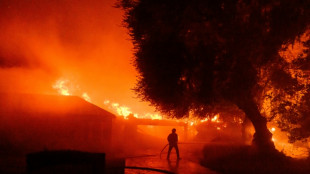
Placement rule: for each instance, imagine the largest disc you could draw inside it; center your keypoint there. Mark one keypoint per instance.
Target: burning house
(33, 122)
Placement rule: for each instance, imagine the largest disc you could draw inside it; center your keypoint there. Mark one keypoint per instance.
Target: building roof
(56, 105)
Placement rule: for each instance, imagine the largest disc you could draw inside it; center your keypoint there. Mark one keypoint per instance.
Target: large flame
(125, 111)
(65, 87)
(290, 52)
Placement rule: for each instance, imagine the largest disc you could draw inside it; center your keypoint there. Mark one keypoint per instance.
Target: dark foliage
(197, 53)
(192, 53)
(244, 159)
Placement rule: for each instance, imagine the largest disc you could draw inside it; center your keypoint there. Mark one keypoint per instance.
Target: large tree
(192, 54)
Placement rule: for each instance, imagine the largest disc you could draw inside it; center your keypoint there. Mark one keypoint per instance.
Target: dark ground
(196, 158)
(246, 159)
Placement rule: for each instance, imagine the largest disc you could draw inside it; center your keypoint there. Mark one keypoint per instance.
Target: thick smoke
(81, 41)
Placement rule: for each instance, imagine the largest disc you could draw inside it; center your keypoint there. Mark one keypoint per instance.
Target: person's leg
(170, 148)
(177, 150)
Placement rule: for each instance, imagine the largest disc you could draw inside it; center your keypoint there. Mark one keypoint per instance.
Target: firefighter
(173, 143)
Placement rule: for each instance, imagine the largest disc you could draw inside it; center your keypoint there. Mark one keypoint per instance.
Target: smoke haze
(79, 41)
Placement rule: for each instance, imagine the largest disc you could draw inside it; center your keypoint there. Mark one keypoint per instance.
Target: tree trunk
(246, 135)
(262, 138)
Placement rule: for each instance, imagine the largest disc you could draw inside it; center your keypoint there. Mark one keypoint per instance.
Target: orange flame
(289, 52)
(62, 87)
(86, 97)
(216, 118)
(125, 111)
(122, 110)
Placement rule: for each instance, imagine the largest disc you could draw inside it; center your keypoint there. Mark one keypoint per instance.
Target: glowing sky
(82, 42)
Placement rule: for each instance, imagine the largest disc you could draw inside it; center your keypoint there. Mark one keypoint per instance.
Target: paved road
(183, 166)
(188, 164)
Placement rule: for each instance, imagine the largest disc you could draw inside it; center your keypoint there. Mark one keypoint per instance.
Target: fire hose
(178, 143)
(162, 150)
(150, 169)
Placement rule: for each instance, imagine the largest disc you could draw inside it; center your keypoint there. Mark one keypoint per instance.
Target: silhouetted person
(173, 143)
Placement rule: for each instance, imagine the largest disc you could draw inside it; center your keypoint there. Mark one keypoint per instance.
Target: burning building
(34, 122)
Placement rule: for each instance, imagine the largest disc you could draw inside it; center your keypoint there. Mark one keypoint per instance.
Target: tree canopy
(286, 94)
(193, 54)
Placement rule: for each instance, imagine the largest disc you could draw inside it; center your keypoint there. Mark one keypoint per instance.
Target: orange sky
(82, 42)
